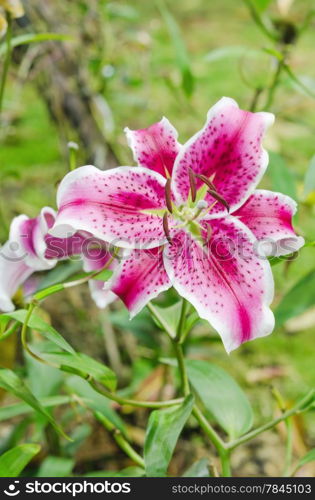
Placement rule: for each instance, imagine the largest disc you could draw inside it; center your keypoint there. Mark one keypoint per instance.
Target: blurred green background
(135, 62)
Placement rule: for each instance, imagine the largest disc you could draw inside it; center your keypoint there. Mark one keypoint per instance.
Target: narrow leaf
(56, 467)
(95, 401)
(162, 433)
(10, 411)
(84, 366)
(37, 323)
(15, 385)
(15, 460)
(221, 396)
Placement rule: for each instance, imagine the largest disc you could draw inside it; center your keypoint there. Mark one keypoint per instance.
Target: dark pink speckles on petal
(269, 216)
(140, 278)
(224, 280)
(155, 147)
(228, 151)
(111, 205)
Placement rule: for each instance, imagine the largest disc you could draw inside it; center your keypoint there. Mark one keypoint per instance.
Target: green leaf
(94, 401)
(37, 323)
(170, 315)
(297, 300)
(198, 469)
(10, 411)
(309, 180)
(56, 467)
(282, 178)
(33, 37)
(221, 396)
(182, 59)
(15, 385)
(309, 457)
(15, 460)
(84, 366)
(163, 431)
(104, 275)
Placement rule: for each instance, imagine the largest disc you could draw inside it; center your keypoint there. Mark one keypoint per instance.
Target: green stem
(224, 454)
(274, 84)
(208, 430)
(7, 60)
(134, 402)
(181, 367)
(255, 99)
(269, 425)
(225, 462)
(120, 440)
(30, 311)
(104, 392)
(181, 323)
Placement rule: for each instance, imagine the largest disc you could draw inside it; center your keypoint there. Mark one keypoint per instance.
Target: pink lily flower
(30, 248)
(198, 202)
(23, 254)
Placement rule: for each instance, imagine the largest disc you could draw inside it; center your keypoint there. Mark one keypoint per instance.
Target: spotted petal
(269, 216)
(113, 205)
(228, 152)
(140, 278)
(155, 147)
(224, 280)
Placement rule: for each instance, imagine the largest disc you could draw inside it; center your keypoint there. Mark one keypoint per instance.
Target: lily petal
(28, 235)
(140, 278)
(95, 260)
(113, 205)
(224, 280)
(155, 147)
(13, 271)
(228, 152)
(269, 216)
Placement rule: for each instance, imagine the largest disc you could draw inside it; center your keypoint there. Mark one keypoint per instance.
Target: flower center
(197, 206)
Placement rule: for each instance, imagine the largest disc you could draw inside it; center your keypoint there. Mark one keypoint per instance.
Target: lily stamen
(168, 196)
(192, 182)
(219, 198)
(207, 181)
